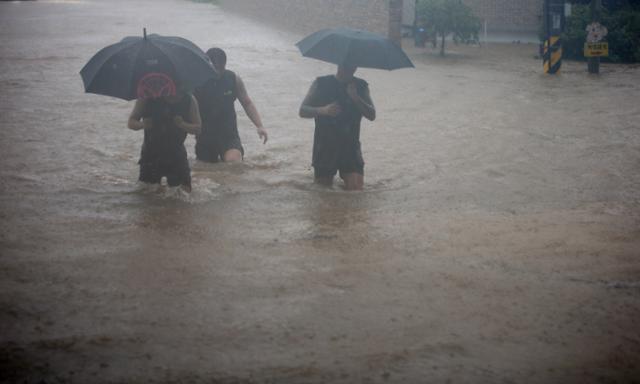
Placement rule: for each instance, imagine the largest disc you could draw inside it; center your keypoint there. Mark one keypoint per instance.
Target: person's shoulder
(187, 99)
(325, 80)
(360, 82)
(148, 102)
(142, 102)
(229, 74)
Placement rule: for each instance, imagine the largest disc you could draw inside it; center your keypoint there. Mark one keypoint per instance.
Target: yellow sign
(596, 49)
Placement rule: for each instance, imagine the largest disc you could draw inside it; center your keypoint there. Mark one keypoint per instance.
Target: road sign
(596, 49)
(555, 16)
(567, 9)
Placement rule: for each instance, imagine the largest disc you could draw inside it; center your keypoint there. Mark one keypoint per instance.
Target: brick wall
(309, 16)
(508, 15)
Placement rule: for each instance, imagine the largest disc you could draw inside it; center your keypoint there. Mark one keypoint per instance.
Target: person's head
(346, 72)
(218, 59)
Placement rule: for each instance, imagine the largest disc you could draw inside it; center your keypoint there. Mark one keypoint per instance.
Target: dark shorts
(213, 152)
(177, 173)
(344, 169)
(326, 163)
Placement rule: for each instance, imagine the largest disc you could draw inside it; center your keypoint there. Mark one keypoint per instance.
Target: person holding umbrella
(339, 102)
(159, 72)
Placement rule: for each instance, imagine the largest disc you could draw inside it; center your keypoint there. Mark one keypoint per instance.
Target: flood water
(496, 239)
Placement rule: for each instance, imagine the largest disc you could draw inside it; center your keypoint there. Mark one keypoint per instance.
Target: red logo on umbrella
(155, 84)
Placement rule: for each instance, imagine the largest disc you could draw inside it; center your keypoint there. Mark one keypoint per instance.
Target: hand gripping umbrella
(355, 48)
(146, 67)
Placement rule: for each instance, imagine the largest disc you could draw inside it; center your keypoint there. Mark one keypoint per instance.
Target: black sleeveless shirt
(165, 140)
(336, 138)
(216, 99)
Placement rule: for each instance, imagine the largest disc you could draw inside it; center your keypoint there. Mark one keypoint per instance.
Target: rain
(496, 238)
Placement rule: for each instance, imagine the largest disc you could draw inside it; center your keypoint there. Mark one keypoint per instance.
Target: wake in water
(203, 190)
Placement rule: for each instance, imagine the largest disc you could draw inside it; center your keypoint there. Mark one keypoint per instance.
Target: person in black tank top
(338, 103)
(219, 139)
(166, 121)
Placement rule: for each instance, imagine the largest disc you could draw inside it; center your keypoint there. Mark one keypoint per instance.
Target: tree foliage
(442, 18)
(613, 5)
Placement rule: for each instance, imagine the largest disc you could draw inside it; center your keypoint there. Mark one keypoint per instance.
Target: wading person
(338, 103)
(219, 139)
(166, 121)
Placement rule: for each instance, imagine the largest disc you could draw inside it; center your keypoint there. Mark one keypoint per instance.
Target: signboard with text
(595, 46)
(596, 49)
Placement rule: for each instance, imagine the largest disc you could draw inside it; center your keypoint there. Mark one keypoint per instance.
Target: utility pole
(395, 21)
(596, 12)
(553, 27)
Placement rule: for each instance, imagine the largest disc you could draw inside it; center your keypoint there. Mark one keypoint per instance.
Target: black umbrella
(148, 66)
(344, 46)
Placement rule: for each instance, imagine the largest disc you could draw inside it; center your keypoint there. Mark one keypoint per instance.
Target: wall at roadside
(309, 16)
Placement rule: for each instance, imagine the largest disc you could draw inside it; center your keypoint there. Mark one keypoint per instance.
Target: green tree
(448, 17)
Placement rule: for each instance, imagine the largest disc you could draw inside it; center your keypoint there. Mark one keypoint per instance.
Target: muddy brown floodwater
(497, 239)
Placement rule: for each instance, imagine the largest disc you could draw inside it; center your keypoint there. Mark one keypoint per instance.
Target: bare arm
(309, 111)
(363, 102)
(250, 109)
(136, 122)
(193, 124)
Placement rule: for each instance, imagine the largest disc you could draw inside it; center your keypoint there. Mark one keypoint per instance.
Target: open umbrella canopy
(147, 66)
(344, 46)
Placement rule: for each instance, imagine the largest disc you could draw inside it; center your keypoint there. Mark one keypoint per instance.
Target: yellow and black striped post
(552, 55)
